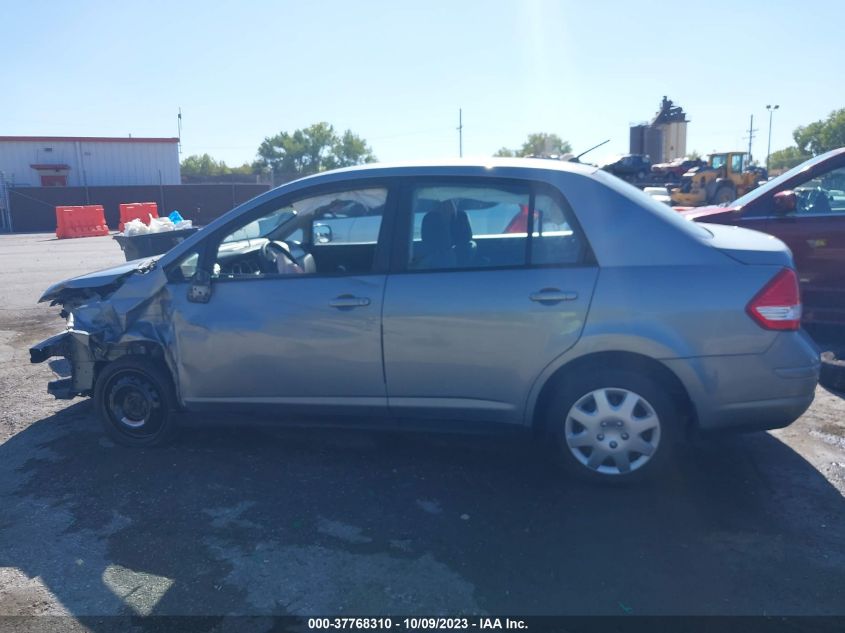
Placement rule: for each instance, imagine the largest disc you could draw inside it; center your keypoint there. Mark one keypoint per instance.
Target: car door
(815, 231)
(473, 310)
(304, 342)
(754, 219)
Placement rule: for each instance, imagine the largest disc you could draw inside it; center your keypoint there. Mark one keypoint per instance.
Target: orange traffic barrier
(80, 221)
(137, 211)
(63, 215)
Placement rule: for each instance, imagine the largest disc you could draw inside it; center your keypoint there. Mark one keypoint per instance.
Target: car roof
(444, 166)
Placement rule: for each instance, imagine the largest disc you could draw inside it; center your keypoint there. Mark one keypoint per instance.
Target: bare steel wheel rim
(134, 405)
(612, 431)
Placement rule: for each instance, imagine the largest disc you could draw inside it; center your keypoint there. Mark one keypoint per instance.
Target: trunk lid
(749, 247)
(702, 214)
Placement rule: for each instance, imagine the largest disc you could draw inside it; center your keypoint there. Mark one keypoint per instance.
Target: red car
(804, 207)
(676, 168)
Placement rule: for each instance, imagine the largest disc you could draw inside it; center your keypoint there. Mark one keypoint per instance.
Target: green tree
(539, 144)
(204, 166)
(311, 150)
(821, 136)
(811, 140)
(694, 155)
(349, 150)
(786, 158)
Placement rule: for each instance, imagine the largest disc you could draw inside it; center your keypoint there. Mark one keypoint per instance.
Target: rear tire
(613, 426)
(136, 402)
(832, 374)
(724, 194)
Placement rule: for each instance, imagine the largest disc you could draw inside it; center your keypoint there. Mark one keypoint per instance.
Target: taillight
(778, 305)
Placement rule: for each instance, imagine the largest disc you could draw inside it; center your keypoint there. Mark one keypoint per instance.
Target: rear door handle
(349, 301)
(551, 296)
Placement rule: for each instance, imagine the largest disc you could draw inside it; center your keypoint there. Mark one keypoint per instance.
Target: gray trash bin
(140, 246)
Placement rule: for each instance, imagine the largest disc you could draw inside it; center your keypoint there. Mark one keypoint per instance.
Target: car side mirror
(322, 233)
(785, 202)
(200, 289)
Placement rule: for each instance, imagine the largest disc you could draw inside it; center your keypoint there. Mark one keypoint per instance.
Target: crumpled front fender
(133, 319)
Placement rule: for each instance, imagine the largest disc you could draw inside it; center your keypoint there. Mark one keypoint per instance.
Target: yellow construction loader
(725, 177)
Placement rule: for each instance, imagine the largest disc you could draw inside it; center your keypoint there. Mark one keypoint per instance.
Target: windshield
(262, 227)
(775, 183)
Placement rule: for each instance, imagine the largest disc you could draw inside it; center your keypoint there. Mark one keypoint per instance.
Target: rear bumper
(754, 391)
(760, 415)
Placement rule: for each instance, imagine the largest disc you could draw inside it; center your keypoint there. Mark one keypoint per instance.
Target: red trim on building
(50, 166)
(48, 180)
(92, 139)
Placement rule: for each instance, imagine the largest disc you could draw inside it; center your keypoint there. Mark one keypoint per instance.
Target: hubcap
(612, 431)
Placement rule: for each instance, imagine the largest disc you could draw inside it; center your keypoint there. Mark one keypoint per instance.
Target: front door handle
(550, 296)
(349, 301)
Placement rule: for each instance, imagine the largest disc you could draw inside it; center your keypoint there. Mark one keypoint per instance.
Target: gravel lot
(233, 521)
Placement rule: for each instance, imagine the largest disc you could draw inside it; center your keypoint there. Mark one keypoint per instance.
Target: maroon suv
(805, 207)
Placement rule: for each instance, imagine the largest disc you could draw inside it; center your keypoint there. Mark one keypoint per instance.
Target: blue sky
(396, 72)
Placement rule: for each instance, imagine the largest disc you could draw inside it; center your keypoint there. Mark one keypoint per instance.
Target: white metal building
(80, 161)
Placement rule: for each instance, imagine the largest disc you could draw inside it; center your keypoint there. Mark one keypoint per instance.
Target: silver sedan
(513, 295)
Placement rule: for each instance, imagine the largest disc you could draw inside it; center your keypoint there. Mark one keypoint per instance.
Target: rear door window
(467, 226)
(553, 239)
(473, 224)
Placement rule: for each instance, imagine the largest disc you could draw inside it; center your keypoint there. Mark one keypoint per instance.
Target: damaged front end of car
(110, 314)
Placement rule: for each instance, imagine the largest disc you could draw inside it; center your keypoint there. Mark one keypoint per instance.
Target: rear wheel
(832, 374)
(613, 426)
(136, 402)
(724, 194)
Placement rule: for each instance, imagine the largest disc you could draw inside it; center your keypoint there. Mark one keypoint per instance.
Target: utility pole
(460, 133)
(771, 110)
(751, 130)
(179, 127)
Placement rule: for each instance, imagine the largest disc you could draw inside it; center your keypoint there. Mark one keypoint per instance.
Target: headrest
(435, 230)
(461, 229)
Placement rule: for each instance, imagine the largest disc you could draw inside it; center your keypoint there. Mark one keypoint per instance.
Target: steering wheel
(817, 201)
(803, 202)
(271, 250)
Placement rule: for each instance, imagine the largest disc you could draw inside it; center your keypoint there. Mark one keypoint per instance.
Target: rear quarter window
(659, 209)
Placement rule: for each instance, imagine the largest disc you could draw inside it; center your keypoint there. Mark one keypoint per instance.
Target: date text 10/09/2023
(417, 623)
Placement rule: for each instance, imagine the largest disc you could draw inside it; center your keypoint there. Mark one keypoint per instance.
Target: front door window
(822, 195)
(332, 233)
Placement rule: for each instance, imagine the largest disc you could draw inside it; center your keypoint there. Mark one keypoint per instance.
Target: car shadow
(834, 392)
(257, 521)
